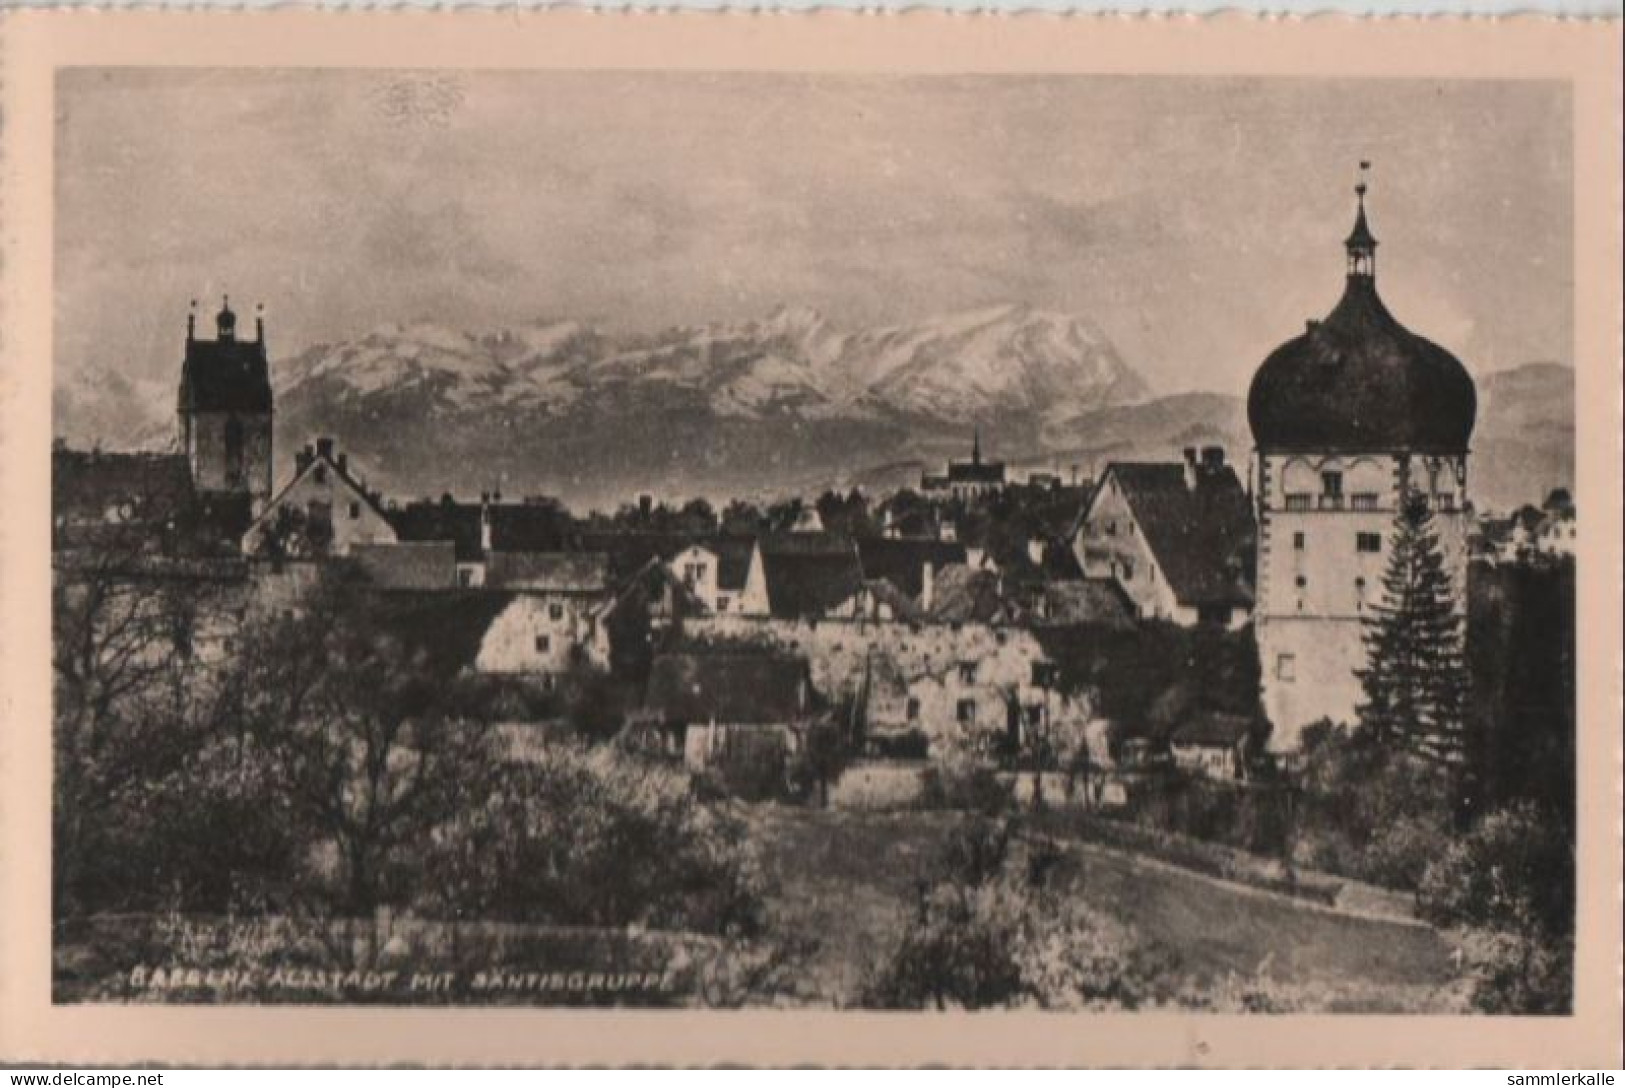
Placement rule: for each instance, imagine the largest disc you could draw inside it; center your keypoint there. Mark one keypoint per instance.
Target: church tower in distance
(224, 409)
(1347, 419)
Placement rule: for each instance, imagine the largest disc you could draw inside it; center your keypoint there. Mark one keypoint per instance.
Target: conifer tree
(1415, 679)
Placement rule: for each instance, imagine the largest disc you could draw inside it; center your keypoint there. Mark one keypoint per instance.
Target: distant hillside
(1523, 445)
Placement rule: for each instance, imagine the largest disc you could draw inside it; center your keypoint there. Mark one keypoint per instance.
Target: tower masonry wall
(207, 453)
(1326, 522)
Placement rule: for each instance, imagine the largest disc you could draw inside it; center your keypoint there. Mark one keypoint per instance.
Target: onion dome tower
(1347, 418)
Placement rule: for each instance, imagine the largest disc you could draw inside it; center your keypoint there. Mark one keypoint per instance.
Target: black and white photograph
(717, 540)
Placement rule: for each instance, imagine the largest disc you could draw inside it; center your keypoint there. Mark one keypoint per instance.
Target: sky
(1198, 221)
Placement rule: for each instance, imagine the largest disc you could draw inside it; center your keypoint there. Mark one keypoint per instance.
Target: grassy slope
(848, 877)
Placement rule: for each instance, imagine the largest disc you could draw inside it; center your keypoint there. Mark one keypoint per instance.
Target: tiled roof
(428, 564)
(225, 376)
(728, 688)
(444, 519)
(1213, 729)
(802, 584)
(445, 626)
(902, 561)
(964, 595)
(1203, 537)
(558, 572)
(93, 486)
(1084, 600)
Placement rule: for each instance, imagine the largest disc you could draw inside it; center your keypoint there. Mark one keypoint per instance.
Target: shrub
(598, 837)
(992, 931)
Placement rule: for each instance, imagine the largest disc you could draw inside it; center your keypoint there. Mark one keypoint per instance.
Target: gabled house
(1179, 539)
(1215, 744)
(717, 571)
(805, 576)
(324, 510)
(710, 704)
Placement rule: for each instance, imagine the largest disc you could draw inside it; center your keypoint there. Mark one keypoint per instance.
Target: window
(1111, 528)
(1363, 500)
(465, 577)
(913, 710)
(722, 603)
(555, 611)
(1035, 715)
(1286, 667)
(355, 510)
(1302, 581)
(1331, 484)
(1128, 570)
(1446, 500)
(1299, 541)
(967, 672)
(693, 573)
(966, 712)
(544, 644)
(1368, 542)
(321, 474)
(1298, 501)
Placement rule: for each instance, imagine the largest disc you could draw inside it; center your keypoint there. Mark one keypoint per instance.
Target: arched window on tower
(234, 452)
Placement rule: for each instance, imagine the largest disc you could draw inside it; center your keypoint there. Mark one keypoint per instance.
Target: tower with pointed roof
(224, 409)
(1347, 418)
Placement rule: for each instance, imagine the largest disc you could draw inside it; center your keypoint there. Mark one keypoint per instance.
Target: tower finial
(1361, 243)
(225, 320)
(191, 321)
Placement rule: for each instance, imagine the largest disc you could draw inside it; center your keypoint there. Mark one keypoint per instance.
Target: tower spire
(976, 446)
(1361, 243)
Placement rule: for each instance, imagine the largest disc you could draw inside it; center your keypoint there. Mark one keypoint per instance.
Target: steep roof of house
(902, 561)
(964, 595)
(426, 564)
(810, 583)
(630, 550)
(91, 486)
(225, 376)
(725, 687)
(529, 527)
(1085, 600)
(1203, 537)
(447, 626)
(559, 572)
(444, 519)
(1213, 729)
(141, 500)
(884, 592)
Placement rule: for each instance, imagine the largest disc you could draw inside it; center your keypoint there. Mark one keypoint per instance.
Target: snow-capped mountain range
(751, 407)
(758, 409)
(954, 369)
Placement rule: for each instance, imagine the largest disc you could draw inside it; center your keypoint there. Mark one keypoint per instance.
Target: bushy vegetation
(595, 837)
(336, 763)
(992, 929)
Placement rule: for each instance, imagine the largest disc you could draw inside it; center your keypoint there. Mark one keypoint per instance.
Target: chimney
(1190, 468)
(324, 448)
(928, 584)
(303, 458)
